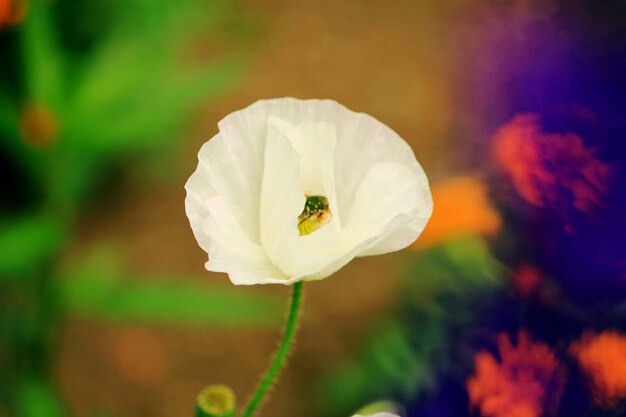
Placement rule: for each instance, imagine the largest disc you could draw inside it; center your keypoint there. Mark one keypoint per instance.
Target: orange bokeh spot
(526, 280)
(140, 356)
(5, 11)
(38, 125)
(526, 382)
(12, 12)
(603, 358)
(549, 169)
(461, 206)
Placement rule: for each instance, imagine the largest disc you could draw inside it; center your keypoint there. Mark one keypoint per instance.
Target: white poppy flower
(292, 190)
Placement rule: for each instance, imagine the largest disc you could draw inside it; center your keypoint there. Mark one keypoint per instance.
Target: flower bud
(215, 401)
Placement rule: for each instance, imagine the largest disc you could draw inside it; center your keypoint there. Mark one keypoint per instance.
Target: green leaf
(387, 366)
(147, 108)
(102, 289)
(72, 176)
(26, 242)
(9, 129)
(136, 87)
(463, 266)
(35, 398)
(163, 302)
(42, 57)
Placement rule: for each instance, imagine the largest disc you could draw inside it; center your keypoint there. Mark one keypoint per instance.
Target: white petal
(227, 168)
(283, 200)
(389, 206)
(231, 251)
(364, 143)
(315, 144)
(230, 166)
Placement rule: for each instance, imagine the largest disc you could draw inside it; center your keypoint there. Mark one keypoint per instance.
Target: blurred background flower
(603, 357)
(463, 207)
(527, 381)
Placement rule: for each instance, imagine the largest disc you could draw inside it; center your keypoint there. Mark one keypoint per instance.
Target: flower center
(316, 214)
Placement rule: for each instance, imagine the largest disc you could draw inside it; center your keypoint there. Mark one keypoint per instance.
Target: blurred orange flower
(527, 382)
(550, 169)
(603, 357)
(461, 206)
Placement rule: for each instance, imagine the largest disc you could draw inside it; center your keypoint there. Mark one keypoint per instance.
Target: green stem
(281, 354)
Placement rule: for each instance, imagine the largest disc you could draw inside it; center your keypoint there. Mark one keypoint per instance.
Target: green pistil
(316, 214)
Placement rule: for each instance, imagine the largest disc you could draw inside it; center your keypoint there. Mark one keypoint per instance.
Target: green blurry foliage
(87, 86)
(402, 359)
(124, 90)
(386, 363)
(27, 242)
(102, 288)
(36, 399)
